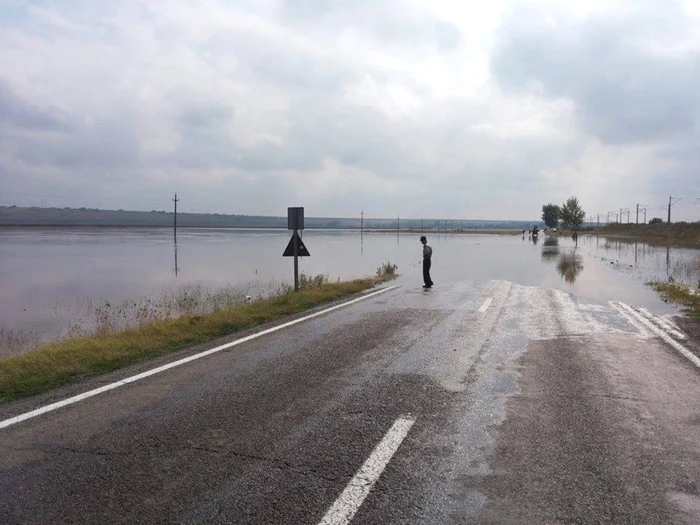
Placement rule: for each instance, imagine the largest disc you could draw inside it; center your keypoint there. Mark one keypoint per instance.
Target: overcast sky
(416, 108)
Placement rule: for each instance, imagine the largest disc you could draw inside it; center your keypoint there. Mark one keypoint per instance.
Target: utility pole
(175, 200)
(398, 224)
(671, 202)
(636, 221)
(362, 221)
(421, 225)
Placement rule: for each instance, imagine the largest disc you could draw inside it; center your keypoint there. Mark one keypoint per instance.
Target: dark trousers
(426, 273)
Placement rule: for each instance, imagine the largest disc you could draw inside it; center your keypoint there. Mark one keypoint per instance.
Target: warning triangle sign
(301, 248)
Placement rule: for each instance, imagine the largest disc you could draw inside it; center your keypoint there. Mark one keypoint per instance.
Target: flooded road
(53, 279)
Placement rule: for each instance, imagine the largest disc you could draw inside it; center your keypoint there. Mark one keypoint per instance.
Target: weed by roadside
(680, 294)
(387, 270)
(65, 361)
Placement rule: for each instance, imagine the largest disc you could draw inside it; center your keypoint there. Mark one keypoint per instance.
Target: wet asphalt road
(530, 406)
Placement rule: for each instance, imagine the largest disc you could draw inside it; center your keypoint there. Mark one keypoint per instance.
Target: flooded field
(57, 281)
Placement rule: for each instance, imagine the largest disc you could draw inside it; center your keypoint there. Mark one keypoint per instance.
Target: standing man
(427, 255)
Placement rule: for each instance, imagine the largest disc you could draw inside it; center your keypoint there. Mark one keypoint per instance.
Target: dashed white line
(71, 400)
(347, 504)
(648, 324)
(486, 305)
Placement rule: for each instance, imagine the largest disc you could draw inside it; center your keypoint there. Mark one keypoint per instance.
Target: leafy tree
(550, 215)
(572, 215)
(656, 220)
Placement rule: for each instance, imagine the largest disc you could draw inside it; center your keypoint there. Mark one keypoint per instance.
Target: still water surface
(45, 273)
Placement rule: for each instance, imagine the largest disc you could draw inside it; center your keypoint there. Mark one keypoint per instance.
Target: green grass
(679, 294)
(683, 234)
(63, 362)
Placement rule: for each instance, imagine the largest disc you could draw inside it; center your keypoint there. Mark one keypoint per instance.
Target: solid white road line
(658, 331)
(347, 504)
(132, 379)
(632, 320)
(486, 305)
(662, 323)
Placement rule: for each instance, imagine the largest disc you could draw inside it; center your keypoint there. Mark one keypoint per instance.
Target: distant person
(427, 257)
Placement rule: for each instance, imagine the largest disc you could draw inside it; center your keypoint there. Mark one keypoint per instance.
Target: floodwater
(47, 274)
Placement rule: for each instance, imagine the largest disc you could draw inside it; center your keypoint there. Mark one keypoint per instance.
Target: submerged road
(468, 403)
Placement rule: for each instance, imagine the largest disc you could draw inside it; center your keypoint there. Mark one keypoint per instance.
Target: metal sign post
(296, 248)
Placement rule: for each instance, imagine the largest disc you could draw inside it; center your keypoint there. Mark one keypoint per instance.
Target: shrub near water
(63, 362)
(680, 294)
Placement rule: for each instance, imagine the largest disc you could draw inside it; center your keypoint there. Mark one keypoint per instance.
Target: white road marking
(486, 305)
(132, 379)
(347, 504)
(658, 331)
(642, 331)
(663, 323)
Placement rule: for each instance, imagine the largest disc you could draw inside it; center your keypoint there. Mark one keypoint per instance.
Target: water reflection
(652, 263)
(550, 249)
(175, 250)
(569, 266)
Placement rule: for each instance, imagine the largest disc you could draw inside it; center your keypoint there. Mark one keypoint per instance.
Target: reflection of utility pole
(362, 221)
(176, 268)
(175, 200)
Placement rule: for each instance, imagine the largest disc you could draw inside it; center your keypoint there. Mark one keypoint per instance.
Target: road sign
(295, 218)
(301, 248)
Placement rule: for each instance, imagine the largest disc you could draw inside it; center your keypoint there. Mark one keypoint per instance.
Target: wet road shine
(472, 402)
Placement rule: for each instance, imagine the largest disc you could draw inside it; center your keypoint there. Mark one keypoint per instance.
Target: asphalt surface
(530, 406)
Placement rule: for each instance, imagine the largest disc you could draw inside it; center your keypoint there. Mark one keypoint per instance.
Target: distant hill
(72, 217)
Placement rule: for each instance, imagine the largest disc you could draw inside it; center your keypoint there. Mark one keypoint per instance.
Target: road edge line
(91, 393)
(666, 337)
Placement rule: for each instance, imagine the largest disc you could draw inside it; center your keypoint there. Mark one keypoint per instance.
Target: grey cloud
(107, 143)
(390, 21)
(622, 93)
(21, 115)
(198, 115)
(271, 61)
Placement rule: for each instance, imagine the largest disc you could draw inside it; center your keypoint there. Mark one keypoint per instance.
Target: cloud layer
(397, 107)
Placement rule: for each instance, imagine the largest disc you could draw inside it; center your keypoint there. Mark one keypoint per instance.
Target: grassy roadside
(681, 234)
(679, 294)
(67, 361)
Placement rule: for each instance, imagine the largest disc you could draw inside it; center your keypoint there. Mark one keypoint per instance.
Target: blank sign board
(295, 218)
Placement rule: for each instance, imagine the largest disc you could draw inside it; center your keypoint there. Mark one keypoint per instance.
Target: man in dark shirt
(427, 256)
